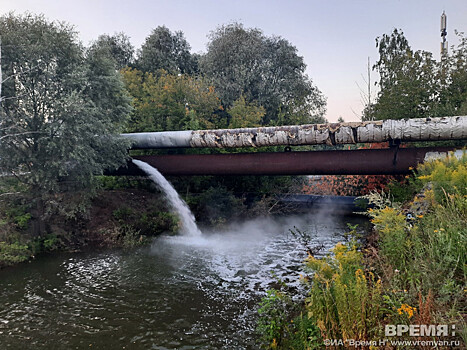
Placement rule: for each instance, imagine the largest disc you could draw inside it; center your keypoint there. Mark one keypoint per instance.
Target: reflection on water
(180, 293)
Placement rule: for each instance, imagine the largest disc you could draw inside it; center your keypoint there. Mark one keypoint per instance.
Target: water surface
(179, 293)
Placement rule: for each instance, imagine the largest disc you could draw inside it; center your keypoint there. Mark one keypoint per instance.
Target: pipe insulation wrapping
(420, 129)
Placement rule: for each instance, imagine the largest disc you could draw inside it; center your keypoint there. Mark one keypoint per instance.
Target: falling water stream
(189, 227)
(183, 292)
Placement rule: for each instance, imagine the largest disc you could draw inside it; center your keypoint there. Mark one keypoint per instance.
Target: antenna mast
(444, 33)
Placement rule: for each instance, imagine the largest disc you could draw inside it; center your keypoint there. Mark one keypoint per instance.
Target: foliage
(17, 215)
(407, 79)
(453, 78)
(216, 205)
(424, 253)
(273, 314)
(130, 236)
(266, 70)
(244, 114)
(403, 191)
(413, 85)
(61, 109)
(448, 176)
(13, 253)
(165, 50)
(47, 243)
(150, 223)
(50, 242)
(391, 226)
(303, 334)
(280, 329)
(118, 47)
(347, 185)
(169, 102)
(344, 300)
(235, 190)
(123, 182)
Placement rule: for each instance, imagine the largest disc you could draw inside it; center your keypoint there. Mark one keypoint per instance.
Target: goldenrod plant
(413, 272)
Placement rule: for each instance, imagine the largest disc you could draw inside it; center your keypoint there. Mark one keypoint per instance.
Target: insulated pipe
(356, 162)
(420, 129)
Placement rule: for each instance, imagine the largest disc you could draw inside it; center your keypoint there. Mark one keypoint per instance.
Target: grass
(413, 272)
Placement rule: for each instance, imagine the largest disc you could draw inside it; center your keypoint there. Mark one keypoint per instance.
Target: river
(179, 293)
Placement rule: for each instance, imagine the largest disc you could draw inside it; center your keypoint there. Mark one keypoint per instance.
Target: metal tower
(444, 43)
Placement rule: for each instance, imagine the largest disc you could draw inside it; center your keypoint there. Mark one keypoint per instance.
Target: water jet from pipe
(178, 205)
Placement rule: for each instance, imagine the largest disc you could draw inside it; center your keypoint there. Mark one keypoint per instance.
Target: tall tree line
(63, 104)
(262, 77)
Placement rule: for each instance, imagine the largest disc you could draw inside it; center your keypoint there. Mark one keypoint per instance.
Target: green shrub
(303, 334)
(123, 214)
(428, 251)
(217, 205)
(392, 227)
(273, 315)
(130, 236)
(13, 253)
(404, 191)
(152, 222)
(18, 215)
(422, 250)
(50, 242)
(124, 182)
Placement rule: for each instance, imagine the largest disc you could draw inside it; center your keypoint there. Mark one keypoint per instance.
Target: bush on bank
(412, 271)
(124, 213)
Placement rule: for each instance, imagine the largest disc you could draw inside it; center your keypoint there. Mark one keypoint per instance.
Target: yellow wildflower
(359, 274)
(407, 309)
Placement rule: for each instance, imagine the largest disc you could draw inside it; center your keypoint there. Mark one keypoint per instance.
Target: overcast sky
(335, 37)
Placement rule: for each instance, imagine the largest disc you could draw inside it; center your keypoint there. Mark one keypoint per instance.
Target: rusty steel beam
(355, 162)
(420, 129)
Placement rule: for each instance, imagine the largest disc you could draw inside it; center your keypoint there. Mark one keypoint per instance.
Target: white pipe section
(420, 129)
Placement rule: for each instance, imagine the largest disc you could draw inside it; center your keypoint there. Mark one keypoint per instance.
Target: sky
(335, 37)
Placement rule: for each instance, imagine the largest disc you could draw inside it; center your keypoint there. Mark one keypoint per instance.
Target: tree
(119, 48)
(61, 110)
(163, 101)
(168, 51)
(414, 85)
(409, 84)
(453, 77)
(266, 70)
(232, 60)
(244, 114)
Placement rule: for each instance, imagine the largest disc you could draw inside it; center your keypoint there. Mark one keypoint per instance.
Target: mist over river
(179, 293)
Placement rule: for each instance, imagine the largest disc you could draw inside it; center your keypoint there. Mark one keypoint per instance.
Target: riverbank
(114, 217)
(410, 272)
(123, 213)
